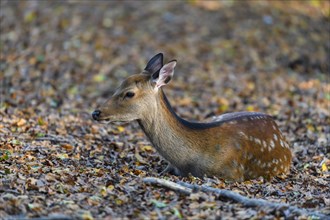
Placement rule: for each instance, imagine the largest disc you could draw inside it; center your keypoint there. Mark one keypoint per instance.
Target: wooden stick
(227, 194)
(168, 184)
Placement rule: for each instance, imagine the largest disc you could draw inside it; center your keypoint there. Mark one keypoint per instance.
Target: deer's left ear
(165, 74)
(154, 64)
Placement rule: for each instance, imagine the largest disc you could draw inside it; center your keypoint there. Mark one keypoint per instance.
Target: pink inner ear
(165, 74)
(168, 69)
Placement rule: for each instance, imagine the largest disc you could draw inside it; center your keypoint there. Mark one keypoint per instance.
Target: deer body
(236, 146)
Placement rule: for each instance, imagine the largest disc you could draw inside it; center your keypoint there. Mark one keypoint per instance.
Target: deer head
(137, 95)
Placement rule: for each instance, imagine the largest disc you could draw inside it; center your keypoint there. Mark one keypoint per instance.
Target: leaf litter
(60, 60)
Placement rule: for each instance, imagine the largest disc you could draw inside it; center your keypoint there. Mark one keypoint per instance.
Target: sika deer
(236, 146)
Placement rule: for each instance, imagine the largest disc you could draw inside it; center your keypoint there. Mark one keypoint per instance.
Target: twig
(48, 137)
(168, 184)
(51, 217)
(250, 202)
(56, 139)
(227, 194)
(13, 191)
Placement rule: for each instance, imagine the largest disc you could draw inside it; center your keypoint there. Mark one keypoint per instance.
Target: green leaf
(68, 202)
(4, 155)
(31, 206)
(62, 156)
(40, 58)
(30, 16)
(73, 90)
(159, 204)
(177, 213)
(327, 96)
(15, 142)
(41, 134)
(99, 78)
(41, 121)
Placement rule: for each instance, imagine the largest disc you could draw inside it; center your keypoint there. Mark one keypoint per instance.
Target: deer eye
(129, 94)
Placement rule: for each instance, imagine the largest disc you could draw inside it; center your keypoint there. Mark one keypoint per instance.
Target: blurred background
(67, 54)
(60, 59)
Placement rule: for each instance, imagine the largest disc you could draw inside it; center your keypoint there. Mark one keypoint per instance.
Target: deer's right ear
(154, 64)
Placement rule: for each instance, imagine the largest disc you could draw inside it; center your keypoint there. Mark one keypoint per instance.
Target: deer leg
(171, 170)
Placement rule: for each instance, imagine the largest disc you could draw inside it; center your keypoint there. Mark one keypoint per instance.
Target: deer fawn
(235, 146)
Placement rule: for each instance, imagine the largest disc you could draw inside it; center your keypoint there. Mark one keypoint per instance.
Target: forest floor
(59, 61)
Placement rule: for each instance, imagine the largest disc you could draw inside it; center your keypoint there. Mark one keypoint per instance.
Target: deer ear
(154, 64)
(165, 74)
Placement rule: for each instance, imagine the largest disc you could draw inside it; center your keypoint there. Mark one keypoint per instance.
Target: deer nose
(96, 114)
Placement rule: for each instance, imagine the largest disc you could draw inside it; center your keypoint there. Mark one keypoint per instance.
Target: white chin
(105, 122)
(120, 122)
(108, 121)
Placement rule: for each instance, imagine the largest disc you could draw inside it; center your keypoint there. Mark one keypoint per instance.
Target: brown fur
(237, 147)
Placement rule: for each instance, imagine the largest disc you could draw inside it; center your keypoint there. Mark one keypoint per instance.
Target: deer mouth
(109, 121)
(97, 116)
(104, 121)
(119, 122)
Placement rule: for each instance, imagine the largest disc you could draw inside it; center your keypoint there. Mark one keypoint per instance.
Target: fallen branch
(168, 184)
(48, 137)
(12, 191)
(56, 139)
(227, 194)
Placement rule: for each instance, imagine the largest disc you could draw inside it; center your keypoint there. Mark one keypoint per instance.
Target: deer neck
(170, 134)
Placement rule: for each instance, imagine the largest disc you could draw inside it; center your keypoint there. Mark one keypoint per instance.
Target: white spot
(274, 127)
(275, 137)
(245, 119)
(241, 133)
(257, 140)
(269, 165)
(251, 138)
(249, 156)
(263, 165)
(275, 161)
(262, 149)
(286, 144)
(275, 169)
(282, 167)
(264, 143)
(269, 148)
(235, 163)
(285, 158)
(281, 142)
(272, 144)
